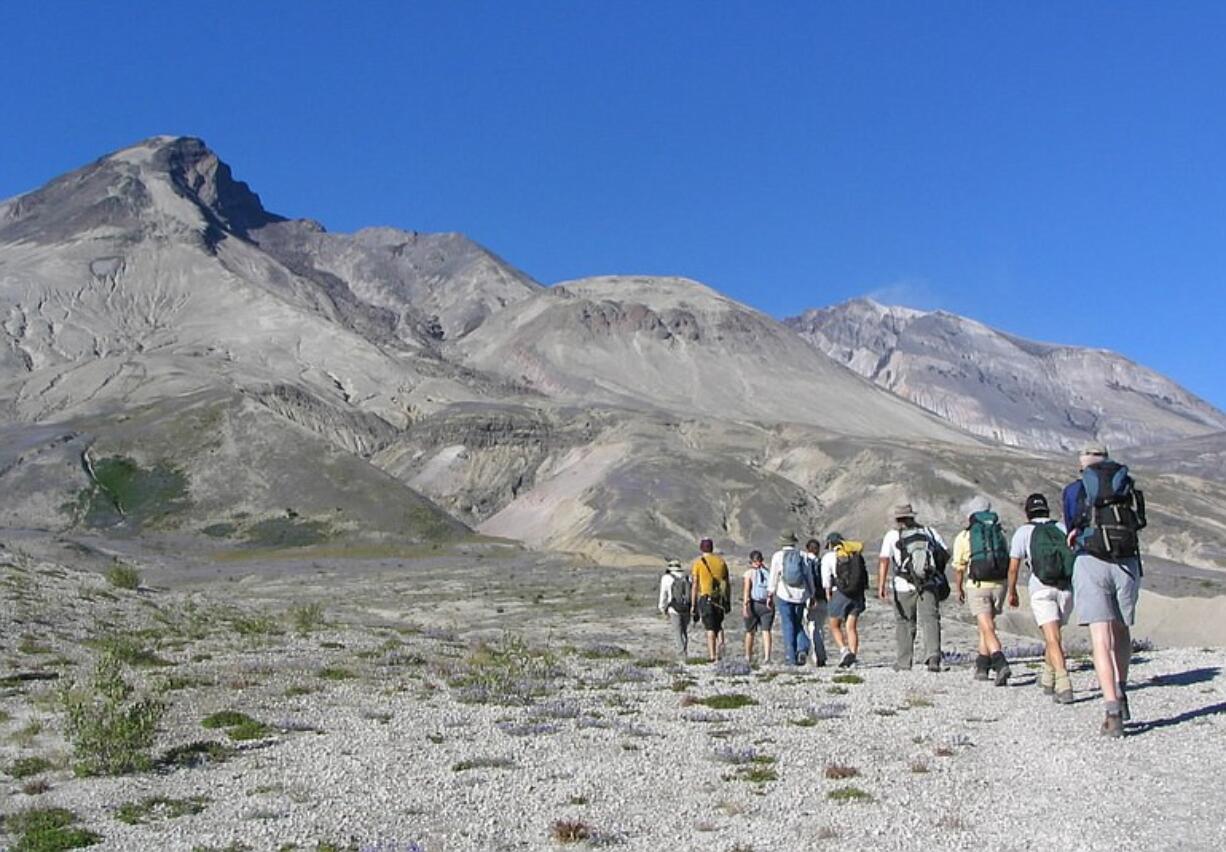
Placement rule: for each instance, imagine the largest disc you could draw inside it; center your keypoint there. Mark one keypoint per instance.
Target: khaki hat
(903, 510)
(674, 563)
(978, 503)
(788, 538)
(1094, 450)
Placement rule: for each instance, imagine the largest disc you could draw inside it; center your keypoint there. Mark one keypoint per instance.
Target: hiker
(1042, 545)
(756, 607)
(1104, 511)
(711, 599)
(917, 556)
(815, 611)
(676, 592)
(981, 560)
(791, 587)
(845, 578)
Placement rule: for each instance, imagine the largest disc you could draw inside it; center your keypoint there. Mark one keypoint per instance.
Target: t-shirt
(830, 561)
(889, 550)
(706, 572)
(1019, 547)
(670, 576)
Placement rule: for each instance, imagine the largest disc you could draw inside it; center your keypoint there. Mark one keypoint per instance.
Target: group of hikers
(1089, 559)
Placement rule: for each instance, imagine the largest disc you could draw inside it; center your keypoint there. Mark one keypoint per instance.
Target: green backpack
(1050, 558)
(989, 550)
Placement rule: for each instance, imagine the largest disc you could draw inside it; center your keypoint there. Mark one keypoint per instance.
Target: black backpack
(850, 572)
(680, 599)
(920, 558)
(1113, 512)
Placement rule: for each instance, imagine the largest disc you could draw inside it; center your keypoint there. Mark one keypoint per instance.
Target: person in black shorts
(756, 610)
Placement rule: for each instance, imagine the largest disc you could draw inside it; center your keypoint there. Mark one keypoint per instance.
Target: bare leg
(749, 645)
(853, 634)
(1122, 645)
(766, 646)
(988, 643)
(1054, 650)
(1102, 638)
(836, 632)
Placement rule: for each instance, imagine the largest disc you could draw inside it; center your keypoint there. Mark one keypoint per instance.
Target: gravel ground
(413, 735)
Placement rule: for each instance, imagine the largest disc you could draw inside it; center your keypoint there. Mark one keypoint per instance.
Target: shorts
(712, 615)
(985, 598)
(1106, 591)
(760, 616)
(844, 606)
(1050, 604)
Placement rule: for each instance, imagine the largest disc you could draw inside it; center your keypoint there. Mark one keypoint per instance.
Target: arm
(694, 590)
(961, 559)
(666, 589)
(883, 567)
(1014, 565)
(746, 589)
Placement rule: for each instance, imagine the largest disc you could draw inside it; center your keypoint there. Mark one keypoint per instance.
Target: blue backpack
(1112, 512)
(793, 568)
(759, 590)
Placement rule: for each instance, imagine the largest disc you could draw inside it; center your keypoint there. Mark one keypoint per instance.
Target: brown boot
(1062, 689)
(1113, 726)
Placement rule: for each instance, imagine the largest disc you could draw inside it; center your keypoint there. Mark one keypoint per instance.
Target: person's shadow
(1188, 678)
(1218, 709)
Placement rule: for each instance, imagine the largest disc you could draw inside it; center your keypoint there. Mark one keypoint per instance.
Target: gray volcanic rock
(1002, 387)
(674, 345)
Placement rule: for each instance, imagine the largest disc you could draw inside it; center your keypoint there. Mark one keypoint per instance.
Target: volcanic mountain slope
(1002, 387)
(676, 345)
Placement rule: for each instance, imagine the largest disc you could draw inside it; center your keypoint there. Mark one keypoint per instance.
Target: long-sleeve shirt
(784, 592)
(666, 587)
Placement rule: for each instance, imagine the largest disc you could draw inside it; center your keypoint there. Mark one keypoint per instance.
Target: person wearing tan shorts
(983, 595)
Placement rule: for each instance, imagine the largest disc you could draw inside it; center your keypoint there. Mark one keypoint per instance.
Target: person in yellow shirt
(712, 593)
(981, 560)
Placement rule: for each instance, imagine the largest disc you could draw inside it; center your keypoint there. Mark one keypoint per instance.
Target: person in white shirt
(843, 608)
(676, 607)
(788, 596)
(815, 612)
(913, 606)
(1052, 605)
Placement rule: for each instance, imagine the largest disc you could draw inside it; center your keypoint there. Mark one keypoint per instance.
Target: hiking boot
(1062, 690)
(1047, 679)
(1113, 726)
(844, 656)
(849, 662)
(1124, 714)
(982, 664)
(1001, 666)
(934, 663)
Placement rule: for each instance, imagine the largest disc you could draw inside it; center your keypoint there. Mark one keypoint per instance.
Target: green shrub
(336, 673)
(850, 794)
(225, 719)
(47, 830)
(27, 767)
(110, 731)
(158, 807)
(123, 576)
(306, 617)
(726, 701)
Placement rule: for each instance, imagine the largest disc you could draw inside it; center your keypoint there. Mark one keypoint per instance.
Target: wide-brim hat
(788, 538)
(1093, 449)
(902, 510)
(674, 563)
(976, 504)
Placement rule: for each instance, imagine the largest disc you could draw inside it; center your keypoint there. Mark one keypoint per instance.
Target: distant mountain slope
(676, 345)
(1002, 387)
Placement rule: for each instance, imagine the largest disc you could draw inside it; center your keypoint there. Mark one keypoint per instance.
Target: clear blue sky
(1054, 169)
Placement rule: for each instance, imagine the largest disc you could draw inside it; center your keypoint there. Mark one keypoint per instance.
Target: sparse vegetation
(847, 677)
(306, 618)
(483, 763)
(124, 491)
(849, 794)
(158, 807)
(570, 831)
(199, 753)
(110, 731)
(47, 830)
(238, 726)
(123, 576)
(28, 767)
(337, 673)
(726, 701)
(839, 771)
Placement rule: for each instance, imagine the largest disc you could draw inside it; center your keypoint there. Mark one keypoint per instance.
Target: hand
(1013, 602)
(1072, 539)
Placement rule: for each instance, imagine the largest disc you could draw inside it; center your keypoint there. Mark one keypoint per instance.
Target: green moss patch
(123, 491)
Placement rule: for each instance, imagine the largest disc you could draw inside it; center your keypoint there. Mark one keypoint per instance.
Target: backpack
(1113, 512)
(759, 589)
(920, 558)
(989, 550)
(850, 572)
(1051, 561)
(680, 599)
(793, 568)
(721, 591)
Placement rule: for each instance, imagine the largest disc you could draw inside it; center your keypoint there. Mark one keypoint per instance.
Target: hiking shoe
(1124, 714)
(844, 656)
(982, 663)
(849, 662)
(934, 664)
(1113, 726)
(1001, 666)
(1047, 679)
(1062, 691)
